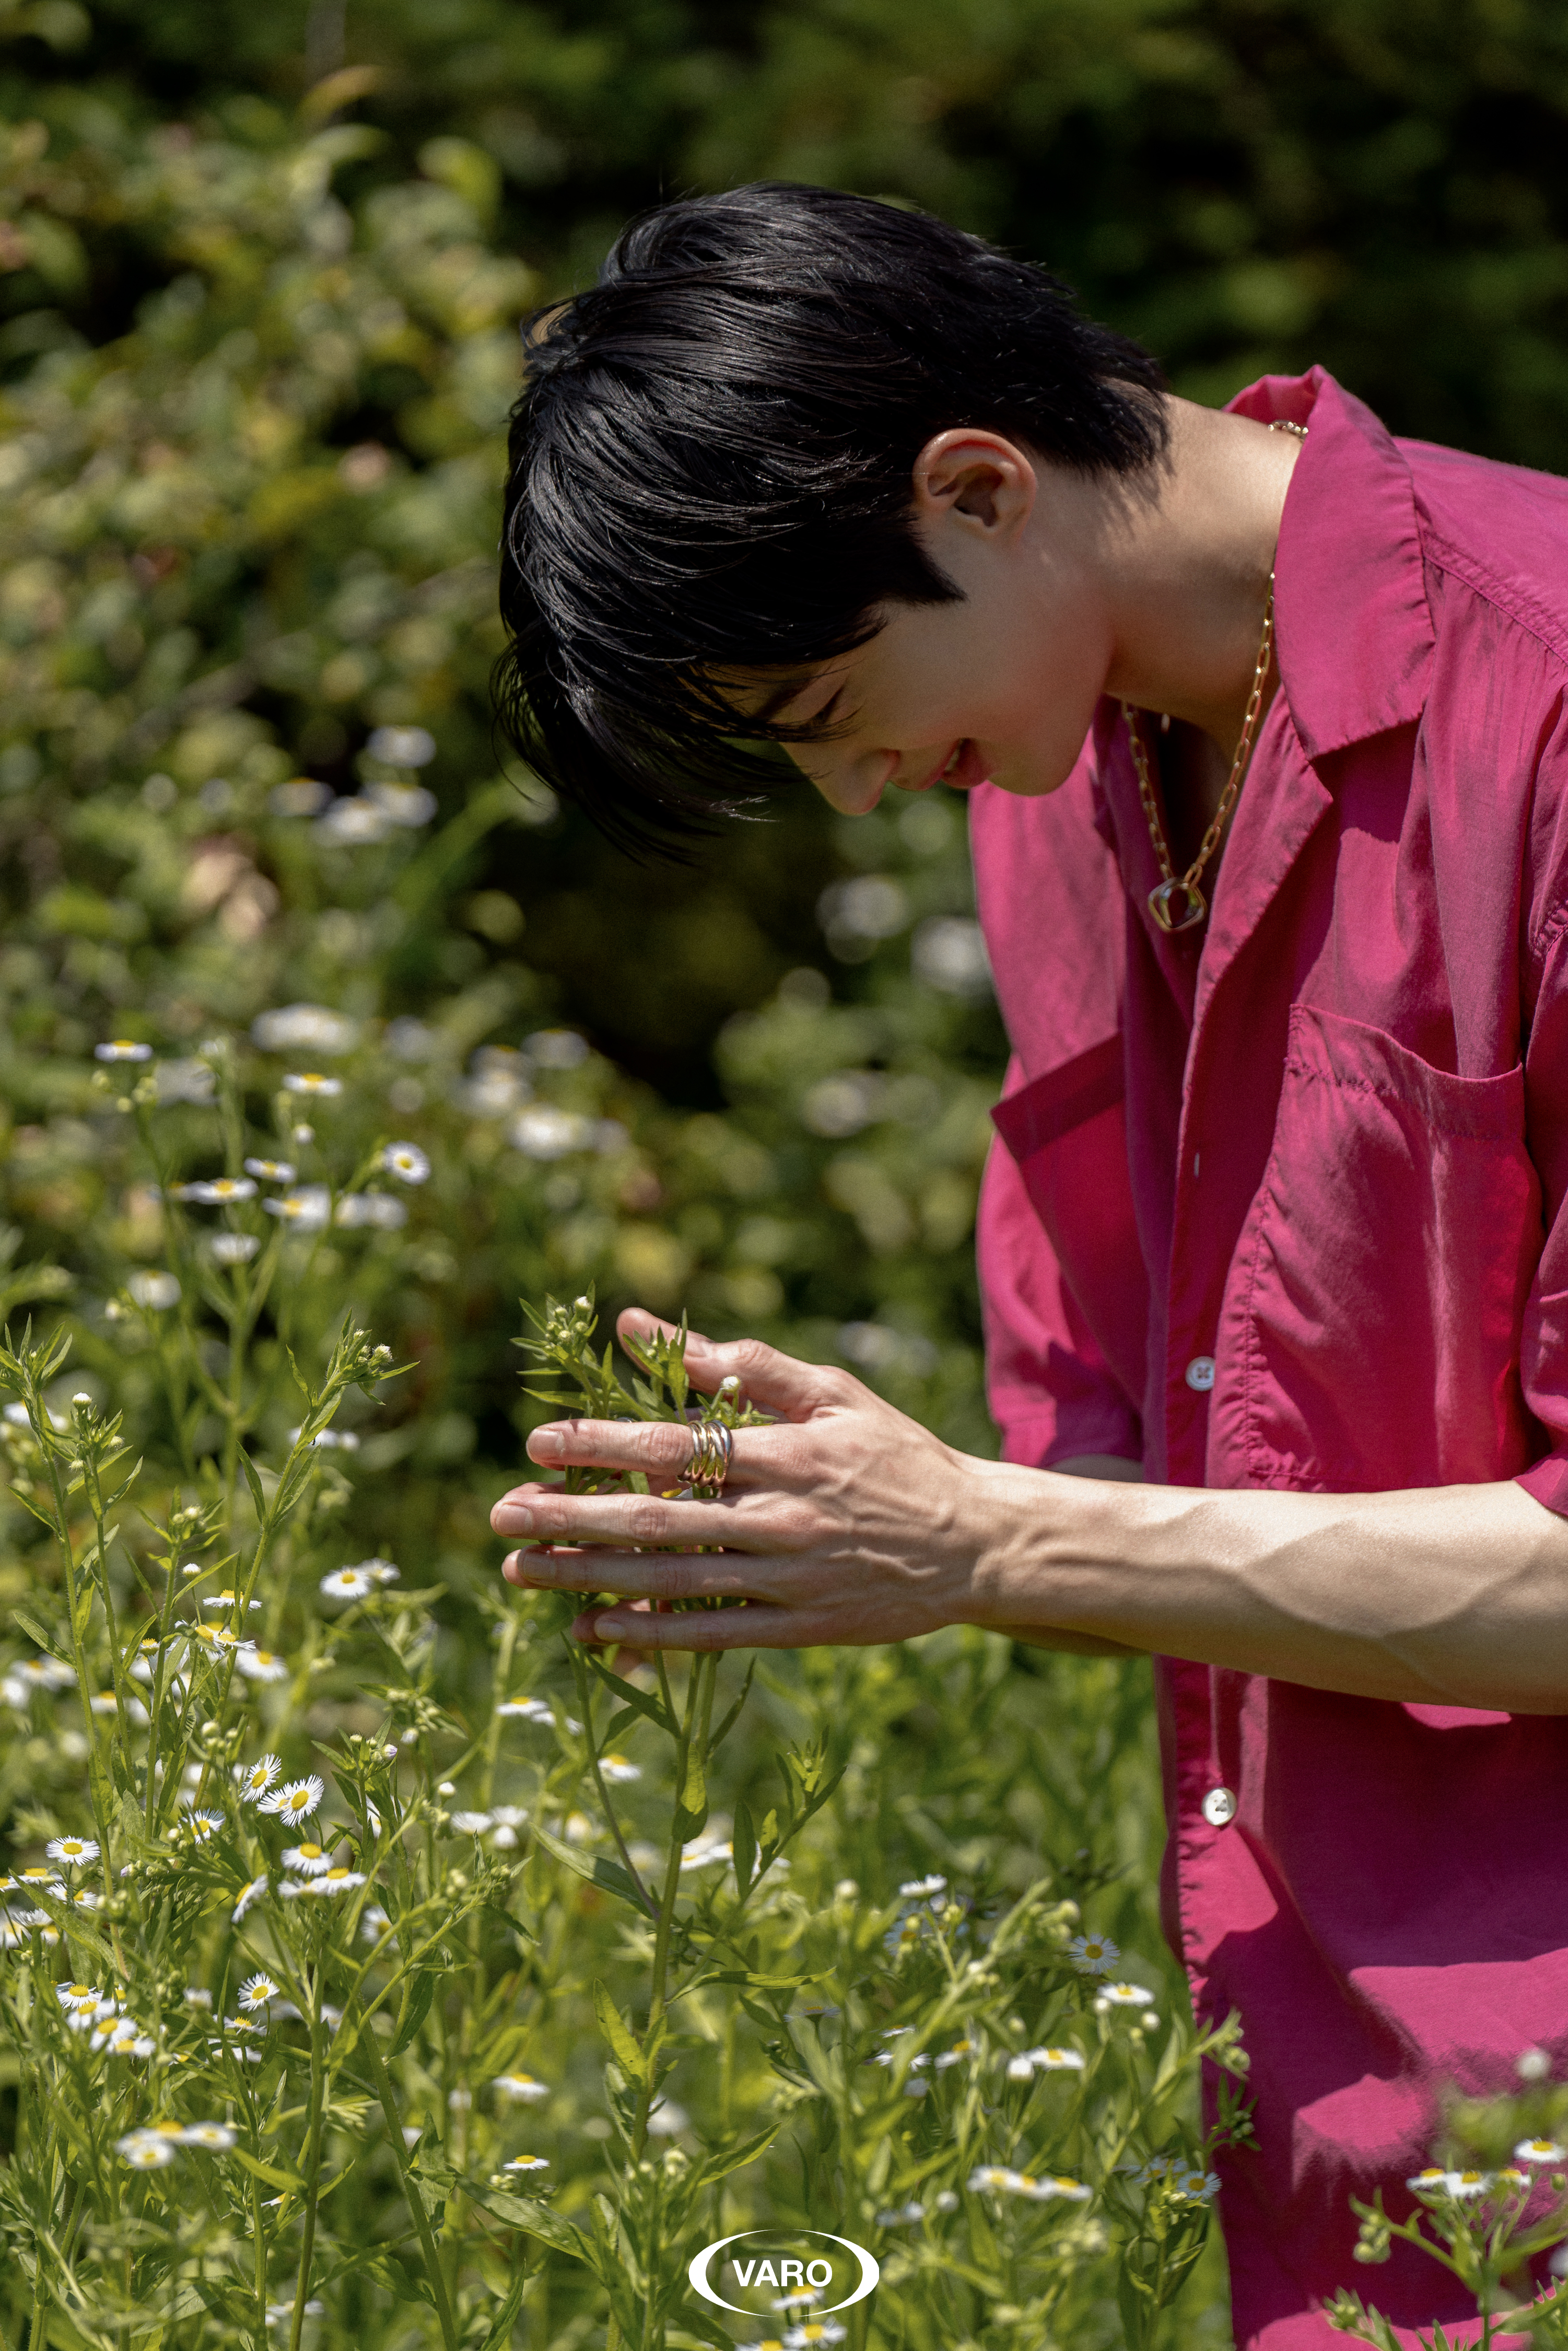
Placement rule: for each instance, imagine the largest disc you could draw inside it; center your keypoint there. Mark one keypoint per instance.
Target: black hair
(711, 470)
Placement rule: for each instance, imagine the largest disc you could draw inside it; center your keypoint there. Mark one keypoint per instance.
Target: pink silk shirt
(1281, 1204)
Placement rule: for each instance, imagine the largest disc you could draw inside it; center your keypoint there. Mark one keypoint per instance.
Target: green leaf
(733, 1716)
(253, 1482)
(630, 1695)
(538, 2220)
(692, 1797)
(275, 2175)
(418, 2008)
(500, 2333)
(47, 1642)
(627, 2056)
(745, 1842)
(608, 1876)
(720, 2165)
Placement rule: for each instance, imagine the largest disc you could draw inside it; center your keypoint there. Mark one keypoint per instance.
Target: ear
(980, 477)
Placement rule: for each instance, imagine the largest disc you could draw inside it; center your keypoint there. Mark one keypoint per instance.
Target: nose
(851, 785)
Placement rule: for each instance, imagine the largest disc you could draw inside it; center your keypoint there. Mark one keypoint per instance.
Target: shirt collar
(1353, 634)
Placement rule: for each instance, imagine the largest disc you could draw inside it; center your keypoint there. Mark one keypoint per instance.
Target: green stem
(259, 2244)
(410, 2195)
(311, 2163)
(694, 1723)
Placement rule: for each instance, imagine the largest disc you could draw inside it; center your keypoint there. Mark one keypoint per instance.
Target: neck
(1185, 569)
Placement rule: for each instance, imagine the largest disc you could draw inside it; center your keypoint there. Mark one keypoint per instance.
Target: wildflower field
(373, 1963)
(376, 1969)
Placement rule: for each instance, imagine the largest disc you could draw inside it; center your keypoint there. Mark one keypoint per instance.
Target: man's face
(1000, 686)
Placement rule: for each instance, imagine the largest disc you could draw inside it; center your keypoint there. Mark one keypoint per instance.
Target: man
(1263, 717)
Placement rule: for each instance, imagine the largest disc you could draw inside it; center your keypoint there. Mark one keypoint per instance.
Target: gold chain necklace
(1175, 902)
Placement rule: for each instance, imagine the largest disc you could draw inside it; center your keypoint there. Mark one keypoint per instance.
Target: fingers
(547, 1514)
(636, 1574)
(774, 1382)
(751, 1627)
(662, 1448)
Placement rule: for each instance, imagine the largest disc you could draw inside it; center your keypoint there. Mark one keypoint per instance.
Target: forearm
(1454, 1595)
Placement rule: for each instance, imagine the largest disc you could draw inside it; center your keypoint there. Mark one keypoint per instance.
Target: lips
(963, 768)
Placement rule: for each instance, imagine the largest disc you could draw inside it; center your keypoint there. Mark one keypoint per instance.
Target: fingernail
(520, 1521)
(547, 1444)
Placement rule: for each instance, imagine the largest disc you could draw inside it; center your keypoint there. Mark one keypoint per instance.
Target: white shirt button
(1219, 1806)
(1200, 1374)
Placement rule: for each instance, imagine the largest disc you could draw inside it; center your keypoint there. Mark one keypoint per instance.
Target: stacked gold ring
(712, 1447)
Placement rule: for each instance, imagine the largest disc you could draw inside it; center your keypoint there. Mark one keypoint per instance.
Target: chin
(1028, 780)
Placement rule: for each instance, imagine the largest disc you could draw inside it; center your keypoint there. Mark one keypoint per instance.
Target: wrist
(1051, 1546)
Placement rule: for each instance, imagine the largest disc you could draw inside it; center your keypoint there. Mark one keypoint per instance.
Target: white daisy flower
(1468, 2185)
(79, 1999)
(955, 2055)
(86, 1899)
(255, 1778)
(1198, 2187)
(258, 1991)
(527, 2163)
(296, 1801)
(402, 747)
(72, 1851)
(204, 1824)
(348, 1583)
(232, 1249)
(45, 1672)
(509, 1816)
(311, 1081)
(377, 1211)
(307, 1860)
(1019, 2069)
(530, 1709)
(1528, 2150)
(272, 1171)
(1124, 1995)
(616, 1768)
(335, 1881)
(309, 1210)
(1055, 2061)
(104, 1702)
(43, 1880)
(406, 1160)
(373, 1923)
(220, 1192)
(470, 1824)
(196, 1998)
(921, 1889)
(215, 2136)
(122, 1049)
(262, 1666)
(146, 2150)
(228, 1599)
(155, 1292)
(520, 2089)
(1092, 1955)
(250, 1893)
(815, 2330)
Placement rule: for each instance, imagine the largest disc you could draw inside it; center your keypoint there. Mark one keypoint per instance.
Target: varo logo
(775, 2274)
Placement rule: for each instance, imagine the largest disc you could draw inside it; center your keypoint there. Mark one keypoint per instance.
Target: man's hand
(843, 1521)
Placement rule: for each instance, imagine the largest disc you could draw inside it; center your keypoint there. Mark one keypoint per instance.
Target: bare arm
(1124, 1472)
(846, 1522)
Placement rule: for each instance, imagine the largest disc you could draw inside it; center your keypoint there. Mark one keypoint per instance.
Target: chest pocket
(1370, 1330)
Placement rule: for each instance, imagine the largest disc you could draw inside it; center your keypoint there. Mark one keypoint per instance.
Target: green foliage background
(259, 275)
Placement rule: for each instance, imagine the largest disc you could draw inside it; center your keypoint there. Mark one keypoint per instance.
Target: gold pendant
(1177, 905)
